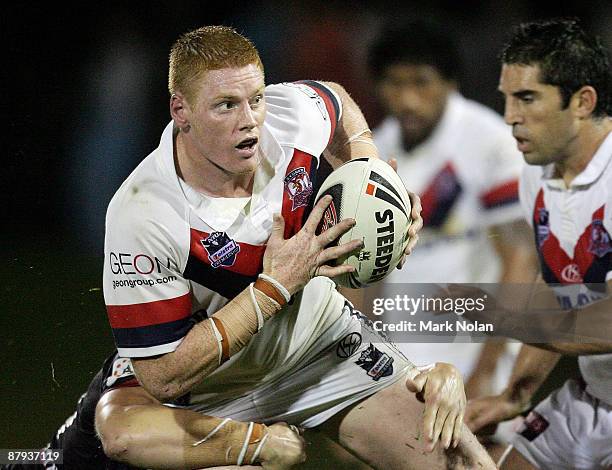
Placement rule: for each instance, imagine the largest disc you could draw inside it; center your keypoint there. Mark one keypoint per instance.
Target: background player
(190, 232)
(556, 82)
(459, 157)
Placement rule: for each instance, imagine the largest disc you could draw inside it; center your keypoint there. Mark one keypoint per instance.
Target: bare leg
(384, 431)
(516, 461)
(323, 453)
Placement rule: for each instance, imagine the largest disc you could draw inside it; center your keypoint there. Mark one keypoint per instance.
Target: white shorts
(569, 430)
(345, 362)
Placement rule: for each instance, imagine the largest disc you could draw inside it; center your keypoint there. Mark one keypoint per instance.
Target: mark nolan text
(458, 325)
(433, 326)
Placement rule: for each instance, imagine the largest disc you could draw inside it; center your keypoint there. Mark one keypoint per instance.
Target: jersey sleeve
(303, 114)
(499, 195)
(148, 301)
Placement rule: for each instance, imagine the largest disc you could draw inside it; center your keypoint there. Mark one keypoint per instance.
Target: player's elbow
(114, 434)
(116, 446)
(158, 379)
(165, 392)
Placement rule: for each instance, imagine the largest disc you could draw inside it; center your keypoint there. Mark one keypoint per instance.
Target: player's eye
(226, 105)
(527, 99)
(257, 100)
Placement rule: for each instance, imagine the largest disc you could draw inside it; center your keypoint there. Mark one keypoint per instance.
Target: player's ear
(584, 101)
(179, 110)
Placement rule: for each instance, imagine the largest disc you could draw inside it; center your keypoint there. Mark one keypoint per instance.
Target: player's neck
(583, 149)
(208, 178)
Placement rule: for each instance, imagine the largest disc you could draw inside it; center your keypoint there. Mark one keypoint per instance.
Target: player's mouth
(247, 147)
(522, 144)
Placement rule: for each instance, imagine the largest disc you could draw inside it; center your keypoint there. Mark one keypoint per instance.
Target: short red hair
(207, 48)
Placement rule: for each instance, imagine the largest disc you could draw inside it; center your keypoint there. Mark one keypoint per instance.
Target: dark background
(85, 100)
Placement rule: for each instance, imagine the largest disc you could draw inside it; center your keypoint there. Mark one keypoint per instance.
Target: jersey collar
(216, 212)
(590, 174)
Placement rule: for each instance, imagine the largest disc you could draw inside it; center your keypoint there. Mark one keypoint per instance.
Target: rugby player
(556, 82)
(218, 286)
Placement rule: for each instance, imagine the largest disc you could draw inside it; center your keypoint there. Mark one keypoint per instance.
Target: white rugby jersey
(466, 174)
(173, 255)
(572, 228)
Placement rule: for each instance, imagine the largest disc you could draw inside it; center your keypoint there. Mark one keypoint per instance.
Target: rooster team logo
(600, 244)
(543, 226)
(376, 363)
(299, 187)
(221, 249)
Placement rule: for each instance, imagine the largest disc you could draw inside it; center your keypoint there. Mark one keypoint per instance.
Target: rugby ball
(369, 191)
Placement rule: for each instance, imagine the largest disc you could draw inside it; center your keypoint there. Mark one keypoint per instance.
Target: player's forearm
(153, 436)
(353, 138)
(531, 368)
(174, 374)
(488, 357)
(207, 345)
(572, 332)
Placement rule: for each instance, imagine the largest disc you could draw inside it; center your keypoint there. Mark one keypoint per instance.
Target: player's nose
(512, 114)
(409, 100)
(248, 117)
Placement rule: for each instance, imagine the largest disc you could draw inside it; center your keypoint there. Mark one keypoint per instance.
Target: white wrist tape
(219, 339)
(245, 446)
(260, 318)
(364, 141)
(212, 433)
(356, 136)
(258, 449)
(284, 292)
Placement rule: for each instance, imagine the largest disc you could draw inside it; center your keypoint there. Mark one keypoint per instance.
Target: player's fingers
(335, 232)
(429, 420)
(402, 260)
(441, 417)
(278, 229)
(417, 383)
(312, 222)
(412, 241)
(446, 436)
(458, 428)
(335, 252)
(415, 202)
(415, 214)
(334, 271)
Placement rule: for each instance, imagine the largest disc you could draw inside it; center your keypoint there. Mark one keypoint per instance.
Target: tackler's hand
(284, 447)
(483, 414)
(441, 388)
(415, 215)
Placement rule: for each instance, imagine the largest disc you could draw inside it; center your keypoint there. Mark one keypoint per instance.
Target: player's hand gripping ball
(369, 191)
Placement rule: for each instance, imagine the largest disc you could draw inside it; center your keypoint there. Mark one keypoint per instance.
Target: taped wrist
(232, 442)
(240, 319)
(273, 289)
